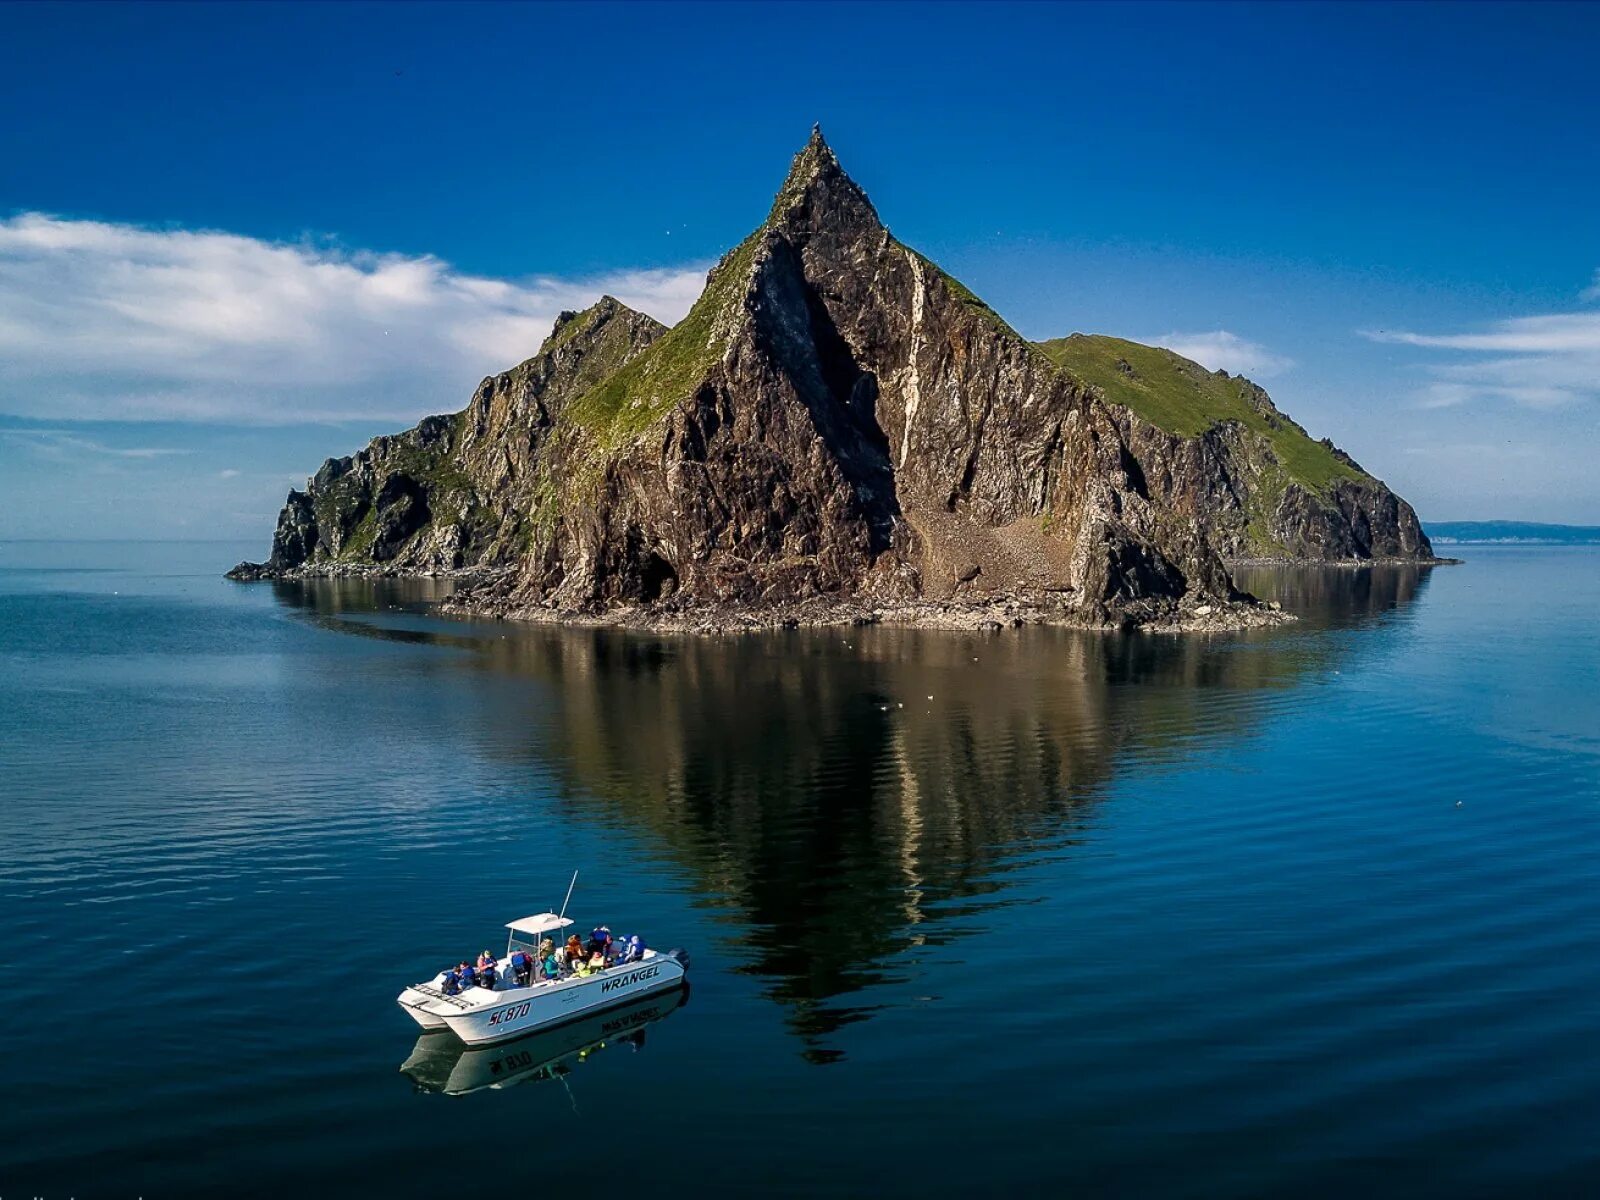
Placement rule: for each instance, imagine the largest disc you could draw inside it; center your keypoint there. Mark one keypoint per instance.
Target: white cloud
(1545, 361)
(118, 322)
(1220, 350)
(1557, 333)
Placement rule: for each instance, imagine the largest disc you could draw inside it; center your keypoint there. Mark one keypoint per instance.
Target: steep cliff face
(835, 419)
(1216, 446)
(470, 490)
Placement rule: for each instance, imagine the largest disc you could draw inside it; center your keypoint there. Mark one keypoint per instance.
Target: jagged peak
(569, 324)
(818, 191)
(564, 318)
(816, 151)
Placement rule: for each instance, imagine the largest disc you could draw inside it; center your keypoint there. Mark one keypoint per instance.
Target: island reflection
(852, 794)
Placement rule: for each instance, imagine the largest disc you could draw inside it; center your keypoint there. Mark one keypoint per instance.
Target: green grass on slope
(630, 399)
(972, 302)
(966, 295)
(571, 329)
(1184, 398)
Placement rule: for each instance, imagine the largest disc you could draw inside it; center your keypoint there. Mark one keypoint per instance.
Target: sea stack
(839, 428)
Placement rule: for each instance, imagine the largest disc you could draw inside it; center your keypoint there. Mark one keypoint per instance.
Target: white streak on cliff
(913, 381)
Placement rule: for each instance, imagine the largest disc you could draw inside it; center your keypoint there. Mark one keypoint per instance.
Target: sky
(235, 241)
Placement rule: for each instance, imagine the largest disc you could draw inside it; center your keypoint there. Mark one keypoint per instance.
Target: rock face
(469, 490)
(1217, 447)
(835, 421)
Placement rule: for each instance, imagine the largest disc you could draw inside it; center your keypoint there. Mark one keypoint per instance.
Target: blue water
(1309, 911)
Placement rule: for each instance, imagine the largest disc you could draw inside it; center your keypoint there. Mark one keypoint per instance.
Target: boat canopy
(542, 923)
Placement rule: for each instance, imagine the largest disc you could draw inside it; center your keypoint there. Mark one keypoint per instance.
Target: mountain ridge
(838, 426)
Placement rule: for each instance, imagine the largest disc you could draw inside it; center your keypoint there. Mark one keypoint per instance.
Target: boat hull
(442, 1064)
(519, 1011)
(415, 1003)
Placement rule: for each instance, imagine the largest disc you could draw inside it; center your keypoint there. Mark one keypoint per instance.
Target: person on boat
(549, 966)
(450, 985)
(487, 975)
(522, 967)
(575, 953)
(468, 974)
(599, 943)
(485, 959)
(636, 949)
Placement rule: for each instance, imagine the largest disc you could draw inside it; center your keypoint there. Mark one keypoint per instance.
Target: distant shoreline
(1511, 533)
(1342, 564)
(1515, 541)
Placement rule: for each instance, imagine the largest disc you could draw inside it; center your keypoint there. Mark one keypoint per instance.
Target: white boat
(480, 1015)
(444, 1065)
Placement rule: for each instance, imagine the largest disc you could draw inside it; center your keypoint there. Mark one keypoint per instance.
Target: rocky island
(840, 431)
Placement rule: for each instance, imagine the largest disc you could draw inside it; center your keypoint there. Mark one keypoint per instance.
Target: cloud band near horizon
(1546, 361)
(107, 321)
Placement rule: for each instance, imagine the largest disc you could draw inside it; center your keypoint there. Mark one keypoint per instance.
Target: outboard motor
(679, 956)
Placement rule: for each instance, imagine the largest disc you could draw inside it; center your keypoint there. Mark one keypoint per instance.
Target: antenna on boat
(568, 900)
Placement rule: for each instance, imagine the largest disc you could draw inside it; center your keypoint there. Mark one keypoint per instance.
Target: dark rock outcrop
(836, 422)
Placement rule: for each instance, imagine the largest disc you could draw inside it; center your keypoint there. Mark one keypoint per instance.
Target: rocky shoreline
(990, 615)
(489, 593)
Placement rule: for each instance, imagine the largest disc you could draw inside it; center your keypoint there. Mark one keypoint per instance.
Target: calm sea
(1304, 912)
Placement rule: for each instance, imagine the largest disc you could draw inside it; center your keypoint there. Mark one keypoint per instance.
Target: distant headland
(840, 431)
(1461, 533)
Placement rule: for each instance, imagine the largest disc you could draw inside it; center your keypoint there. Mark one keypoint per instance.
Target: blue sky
(236, 240)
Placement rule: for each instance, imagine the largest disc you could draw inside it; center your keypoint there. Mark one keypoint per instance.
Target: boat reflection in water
(445, 1065)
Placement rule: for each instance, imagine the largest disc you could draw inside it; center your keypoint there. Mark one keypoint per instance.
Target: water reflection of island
(1324, 596)
(850, 794)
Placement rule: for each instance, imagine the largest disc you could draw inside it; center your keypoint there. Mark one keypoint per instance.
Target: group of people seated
(484, 974)
(574, 960)
(599, 952)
